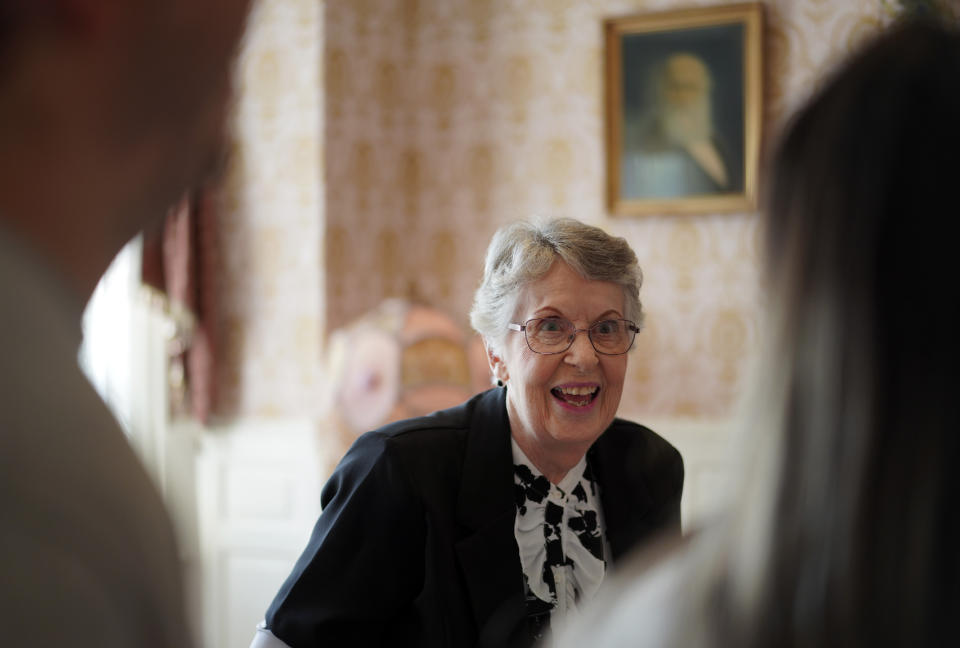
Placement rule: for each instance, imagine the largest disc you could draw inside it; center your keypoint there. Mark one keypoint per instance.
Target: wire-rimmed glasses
(549, 335)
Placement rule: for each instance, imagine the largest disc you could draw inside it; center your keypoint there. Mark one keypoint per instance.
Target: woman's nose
(581, 352)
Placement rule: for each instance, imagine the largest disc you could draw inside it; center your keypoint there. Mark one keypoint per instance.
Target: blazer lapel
(624, 496)
(488, 553)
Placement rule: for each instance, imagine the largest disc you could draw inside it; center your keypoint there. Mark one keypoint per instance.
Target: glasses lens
(612, 336)
(555, 334)
(548, 334)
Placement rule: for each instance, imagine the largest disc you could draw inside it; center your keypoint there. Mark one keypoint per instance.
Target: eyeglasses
(549, 335)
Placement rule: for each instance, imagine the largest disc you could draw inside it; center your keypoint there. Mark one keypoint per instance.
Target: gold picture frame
(683, 110)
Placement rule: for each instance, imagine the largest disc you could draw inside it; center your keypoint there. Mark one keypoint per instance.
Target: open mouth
(576, 396)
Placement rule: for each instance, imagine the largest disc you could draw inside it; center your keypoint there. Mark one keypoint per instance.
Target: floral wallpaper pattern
(379, 143)
(270, 208)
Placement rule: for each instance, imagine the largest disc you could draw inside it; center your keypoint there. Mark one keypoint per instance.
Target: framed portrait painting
(683, 110)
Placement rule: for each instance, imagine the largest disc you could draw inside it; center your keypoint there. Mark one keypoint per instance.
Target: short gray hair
(522, 252)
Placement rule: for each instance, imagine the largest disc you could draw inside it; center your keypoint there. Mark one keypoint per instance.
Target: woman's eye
(605, 328)
(551, 326)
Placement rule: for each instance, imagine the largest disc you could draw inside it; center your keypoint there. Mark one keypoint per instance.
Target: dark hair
(864, 547)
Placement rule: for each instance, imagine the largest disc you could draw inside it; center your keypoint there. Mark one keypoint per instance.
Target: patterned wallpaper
(270, 252)
(379, 143)
(447, 118)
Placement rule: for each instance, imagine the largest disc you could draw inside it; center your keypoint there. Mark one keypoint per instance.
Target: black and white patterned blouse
(559, 529)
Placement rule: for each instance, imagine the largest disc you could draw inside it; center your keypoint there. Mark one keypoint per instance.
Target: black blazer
(416, 547)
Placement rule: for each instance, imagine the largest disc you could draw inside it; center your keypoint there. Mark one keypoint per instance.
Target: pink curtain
(177, 262)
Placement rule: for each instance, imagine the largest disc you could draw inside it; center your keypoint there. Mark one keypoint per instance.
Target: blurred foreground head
(109, 110)
(845, 532)
(860, 533)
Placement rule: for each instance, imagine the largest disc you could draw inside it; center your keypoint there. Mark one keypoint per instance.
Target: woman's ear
(498, 368)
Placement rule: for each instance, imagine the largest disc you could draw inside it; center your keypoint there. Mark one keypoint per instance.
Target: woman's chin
(578, 424)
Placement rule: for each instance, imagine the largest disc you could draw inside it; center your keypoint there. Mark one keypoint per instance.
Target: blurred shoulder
(88, 527)
(642, 604)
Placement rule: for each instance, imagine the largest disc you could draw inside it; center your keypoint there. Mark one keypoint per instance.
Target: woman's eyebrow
(547, 311)
(607, 314)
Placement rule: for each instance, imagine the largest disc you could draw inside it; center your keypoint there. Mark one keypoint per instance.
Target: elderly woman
(484, 523)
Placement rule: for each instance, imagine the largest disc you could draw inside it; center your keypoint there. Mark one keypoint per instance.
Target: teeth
(577, 391)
